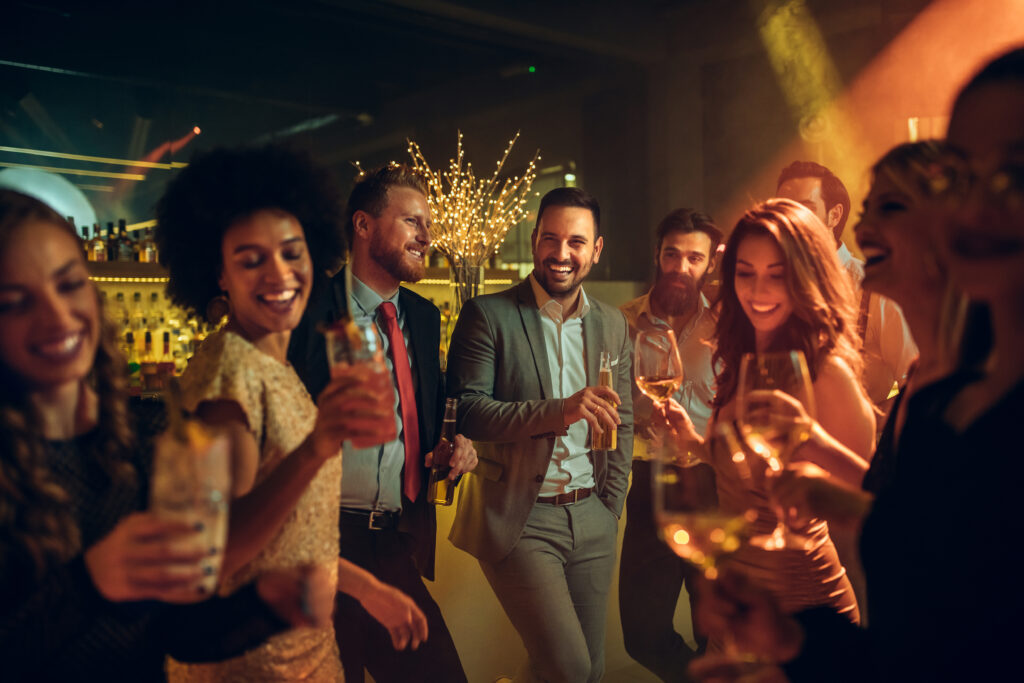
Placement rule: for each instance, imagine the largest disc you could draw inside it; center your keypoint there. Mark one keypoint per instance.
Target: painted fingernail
(214, 550)
(201, 590)
(199, 526)
(208, 570)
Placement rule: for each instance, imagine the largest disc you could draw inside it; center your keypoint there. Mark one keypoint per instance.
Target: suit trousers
(554, 588)
(651, 577)
(363, 642)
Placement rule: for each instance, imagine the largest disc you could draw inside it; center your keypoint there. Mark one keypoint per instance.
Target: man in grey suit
(541, 511)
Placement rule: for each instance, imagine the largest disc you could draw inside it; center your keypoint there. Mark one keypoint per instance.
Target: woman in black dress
(85, 575)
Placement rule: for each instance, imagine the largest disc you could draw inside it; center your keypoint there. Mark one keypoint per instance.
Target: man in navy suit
(387, 525)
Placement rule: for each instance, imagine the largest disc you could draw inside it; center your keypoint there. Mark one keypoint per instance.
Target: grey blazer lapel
(593, 344)
(535, 336)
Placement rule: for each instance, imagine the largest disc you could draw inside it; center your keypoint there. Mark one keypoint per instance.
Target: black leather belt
(566, 498)
(370, 519)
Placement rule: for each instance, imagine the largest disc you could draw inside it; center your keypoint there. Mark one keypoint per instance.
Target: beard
(676, 294)
(394, 261)
(557, 288)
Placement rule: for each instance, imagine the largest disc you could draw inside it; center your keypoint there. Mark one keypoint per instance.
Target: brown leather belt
(566, 498)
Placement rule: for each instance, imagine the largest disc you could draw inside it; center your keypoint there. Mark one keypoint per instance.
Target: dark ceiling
(118, 79)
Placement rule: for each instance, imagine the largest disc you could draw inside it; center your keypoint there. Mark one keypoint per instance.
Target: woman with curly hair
(784, 289)
(256, 230)
(81, 567)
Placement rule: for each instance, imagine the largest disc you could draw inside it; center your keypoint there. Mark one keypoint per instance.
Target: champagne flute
(658, 369)
(772, 428)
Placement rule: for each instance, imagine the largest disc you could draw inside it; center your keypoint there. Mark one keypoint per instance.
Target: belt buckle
(374, 514)
(575, 495)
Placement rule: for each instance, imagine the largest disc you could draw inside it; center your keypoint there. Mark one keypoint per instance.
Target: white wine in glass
(774, 425)
(657, 365)
(658, 369)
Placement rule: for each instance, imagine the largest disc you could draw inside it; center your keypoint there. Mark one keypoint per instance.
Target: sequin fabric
(281, 414)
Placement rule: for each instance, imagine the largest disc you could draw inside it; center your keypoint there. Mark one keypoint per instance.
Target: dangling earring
(218, 309)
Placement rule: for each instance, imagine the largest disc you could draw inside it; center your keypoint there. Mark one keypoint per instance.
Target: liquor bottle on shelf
(441, 489)
(147, 348)
(85, 242)
(134, 367)
(120, 313)
(147, 250)
(97, 248)
(138, 315)
(111, 242)
(125, 246)
(165, 352)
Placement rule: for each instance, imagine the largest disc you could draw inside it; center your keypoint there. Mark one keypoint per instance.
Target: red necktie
(406, 399)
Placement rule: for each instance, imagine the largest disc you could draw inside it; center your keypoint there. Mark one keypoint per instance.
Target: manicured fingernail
(199, 526)
(201, 590)
(208, 570)
(213, 550)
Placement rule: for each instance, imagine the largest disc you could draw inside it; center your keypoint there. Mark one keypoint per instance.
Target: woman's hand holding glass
(148, 558)
(774, 407)
(357, 405)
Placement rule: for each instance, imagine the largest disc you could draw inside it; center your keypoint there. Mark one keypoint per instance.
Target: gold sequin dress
(281, 414)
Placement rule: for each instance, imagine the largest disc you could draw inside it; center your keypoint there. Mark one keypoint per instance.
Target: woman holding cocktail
(786, 323)
(255, 230)
(86, 575)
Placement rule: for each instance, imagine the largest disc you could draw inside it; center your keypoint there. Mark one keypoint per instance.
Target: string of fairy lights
(471, 215)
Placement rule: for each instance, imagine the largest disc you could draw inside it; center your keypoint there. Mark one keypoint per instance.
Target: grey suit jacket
(498, 369)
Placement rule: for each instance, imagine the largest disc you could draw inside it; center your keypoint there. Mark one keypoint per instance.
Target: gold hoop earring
(218, 308)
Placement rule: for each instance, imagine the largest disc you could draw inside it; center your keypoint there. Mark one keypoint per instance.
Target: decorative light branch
(472, 215)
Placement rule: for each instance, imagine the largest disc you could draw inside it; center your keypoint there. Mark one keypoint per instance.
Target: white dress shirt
(570, 467)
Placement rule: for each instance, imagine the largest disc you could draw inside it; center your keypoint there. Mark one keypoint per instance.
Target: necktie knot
(388, 311)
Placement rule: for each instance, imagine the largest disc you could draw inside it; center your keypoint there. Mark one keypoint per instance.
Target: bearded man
(650, 574)
(387, 526)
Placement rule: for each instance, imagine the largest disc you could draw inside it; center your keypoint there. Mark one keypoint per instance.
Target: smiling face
(399, 236)
(760, 284)
(266, 272)
(985, 241)
(895, 235)
(49, 313)
(683, 265)
(564, 250)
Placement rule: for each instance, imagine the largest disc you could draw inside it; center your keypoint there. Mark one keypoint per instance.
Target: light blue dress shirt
(372, 477)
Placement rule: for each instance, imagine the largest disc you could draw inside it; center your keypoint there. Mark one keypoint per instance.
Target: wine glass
(687, 511)
(686, 508)
(773, 425)
(658, 369)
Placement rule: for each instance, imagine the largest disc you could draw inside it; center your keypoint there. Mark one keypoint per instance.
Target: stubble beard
(394, 262)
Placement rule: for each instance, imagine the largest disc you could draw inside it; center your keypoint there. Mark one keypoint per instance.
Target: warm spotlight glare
(196, 130)
(570, 177)
(800, 58)
(717, 535)
(681, 537)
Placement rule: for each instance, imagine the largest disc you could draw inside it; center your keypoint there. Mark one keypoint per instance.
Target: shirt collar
(367, 300)
(844, 254)
(551, 308)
